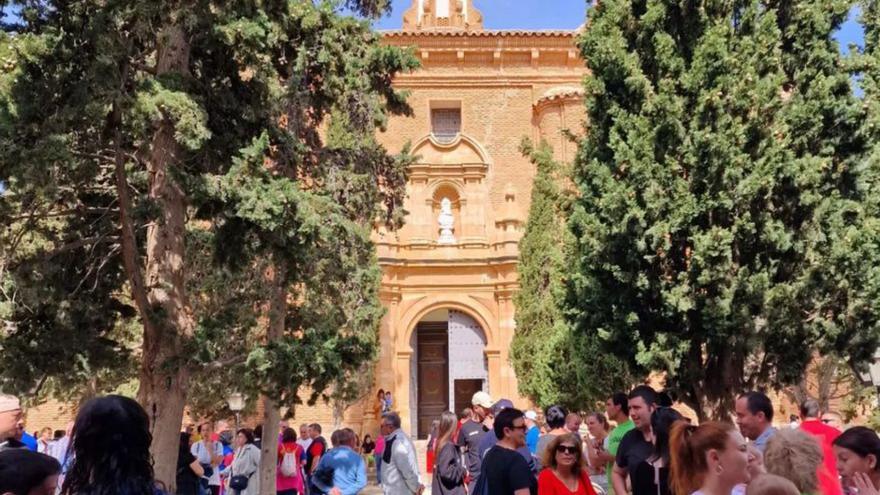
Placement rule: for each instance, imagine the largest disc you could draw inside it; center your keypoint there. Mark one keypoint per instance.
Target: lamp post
(236, 405)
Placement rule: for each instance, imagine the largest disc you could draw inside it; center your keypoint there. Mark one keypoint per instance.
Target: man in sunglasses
(504, 471)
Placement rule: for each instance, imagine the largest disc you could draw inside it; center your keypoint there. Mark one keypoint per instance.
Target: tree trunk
(163, 382)
(271, 415)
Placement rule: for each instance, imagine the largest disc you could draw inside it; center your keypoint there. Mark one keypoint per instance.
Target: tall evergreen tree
(724, 228)
(142, 137)
(553, 364)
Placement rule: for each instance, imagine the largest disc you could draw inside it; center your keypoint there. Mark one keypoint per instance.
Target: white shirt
(305, 443)
(201, 453)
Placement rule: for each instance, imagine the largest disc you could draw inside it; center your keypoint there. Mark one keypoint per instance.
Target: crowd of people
(652, 449)
(640, 445)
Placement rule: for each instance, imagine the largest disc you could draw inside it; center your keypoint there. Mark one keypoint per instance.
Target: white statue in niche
(446, 221)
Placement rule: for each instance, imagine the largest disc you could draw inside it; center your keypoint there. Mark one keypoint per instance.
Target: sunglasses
(567, 449)
(520, 427)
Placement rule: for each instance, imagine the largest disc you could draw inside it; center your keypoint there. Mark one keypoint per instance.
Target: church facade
(450, 273)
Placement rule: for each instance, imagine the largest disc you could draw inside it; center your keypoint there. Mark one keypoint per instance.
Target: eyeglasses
(567, 449)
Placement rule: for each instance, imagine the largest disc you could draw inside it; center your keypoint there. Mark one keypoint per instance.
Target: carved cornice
(457, 262)
(492, 49)
(486, 33)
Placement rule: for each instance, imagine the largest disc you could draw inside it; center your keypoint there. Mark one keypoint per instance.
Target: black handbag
(239, 482)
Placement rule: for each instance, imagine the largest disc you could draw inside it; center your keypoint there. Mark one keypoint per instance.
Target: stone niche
(455, 171)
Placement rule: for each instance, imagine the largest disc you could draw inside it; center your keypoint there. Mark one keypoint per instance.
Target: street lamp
(236, 405)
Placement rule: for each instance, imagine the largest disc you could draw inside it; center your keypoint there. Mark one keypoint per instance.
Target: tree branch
(82, 242)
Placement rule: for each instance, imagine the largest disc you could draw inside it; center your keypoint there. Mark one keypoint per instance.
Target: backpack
(289, 467)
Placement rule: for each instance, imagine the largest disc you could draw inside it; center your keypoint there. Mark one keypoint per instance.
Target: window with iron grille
(445, 123)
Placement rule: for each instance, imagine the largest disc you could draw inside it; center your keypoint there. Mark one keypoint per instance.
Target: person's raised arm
(217, 457)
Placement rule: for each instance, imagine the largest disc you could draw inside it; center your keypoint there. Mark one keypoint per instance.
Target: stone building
(451, 271)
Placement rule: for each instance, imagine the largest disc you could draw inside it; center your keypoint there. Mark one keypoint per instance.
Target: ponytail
(688, 445)
(681, 460)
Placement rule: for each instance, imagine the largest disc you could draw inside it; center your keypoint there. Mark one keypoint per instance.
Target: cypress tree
(724, 229)
(166, 163)
(553, 364)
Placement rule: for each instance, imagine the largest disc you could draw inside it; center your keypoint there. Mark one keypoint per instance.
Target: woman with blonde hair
(565, 471)
(710, 459)
(449, 472)
(796, 456)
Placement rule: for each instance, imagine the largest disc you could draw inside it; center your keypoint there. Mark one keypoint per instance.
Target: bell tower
(442, 15)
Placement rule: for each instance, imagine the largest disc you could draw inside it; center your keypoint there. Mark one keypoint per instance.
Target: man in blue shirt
(533, 433)
(754, 416)
(341, 471)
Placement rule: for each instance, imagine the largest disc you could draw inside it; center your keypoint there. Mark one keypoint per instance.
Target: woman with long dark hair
(858, 460)
(449, 472)
(651, 476)
(189, 470)
(111, 450)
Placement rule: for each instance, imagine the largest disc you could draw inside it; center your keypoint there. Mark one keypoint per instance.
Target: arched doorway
(448, 366)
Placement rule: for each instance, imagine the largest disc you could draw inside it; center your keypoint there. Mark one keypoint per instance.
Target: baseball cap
(9, 403)
(501, 405)
(482, 399)
(531, 415)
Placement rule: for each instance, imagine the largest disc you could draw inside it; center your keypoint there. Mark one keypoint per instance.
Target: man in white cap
(471, 434)
(10, 417)
(533, 433)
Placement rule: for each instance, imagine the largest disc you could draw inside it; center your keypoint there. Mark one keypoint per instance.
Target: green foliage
(727, 224)
(263, 188)
(554, 365)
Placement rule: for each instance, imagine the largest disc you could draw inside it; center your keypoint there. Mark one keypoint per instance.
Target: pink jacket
(291, 482)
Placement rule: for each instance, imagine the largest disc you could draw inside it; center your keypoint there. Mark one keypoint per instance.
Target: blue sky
(556, 14)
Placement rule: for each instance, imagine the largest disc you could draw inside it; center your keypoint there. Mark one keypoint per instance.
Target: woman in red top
(566, 471)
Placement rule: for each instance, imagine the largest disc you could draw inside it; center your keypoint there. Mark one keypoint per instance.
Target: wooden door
(464, 392)
(433, 369)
